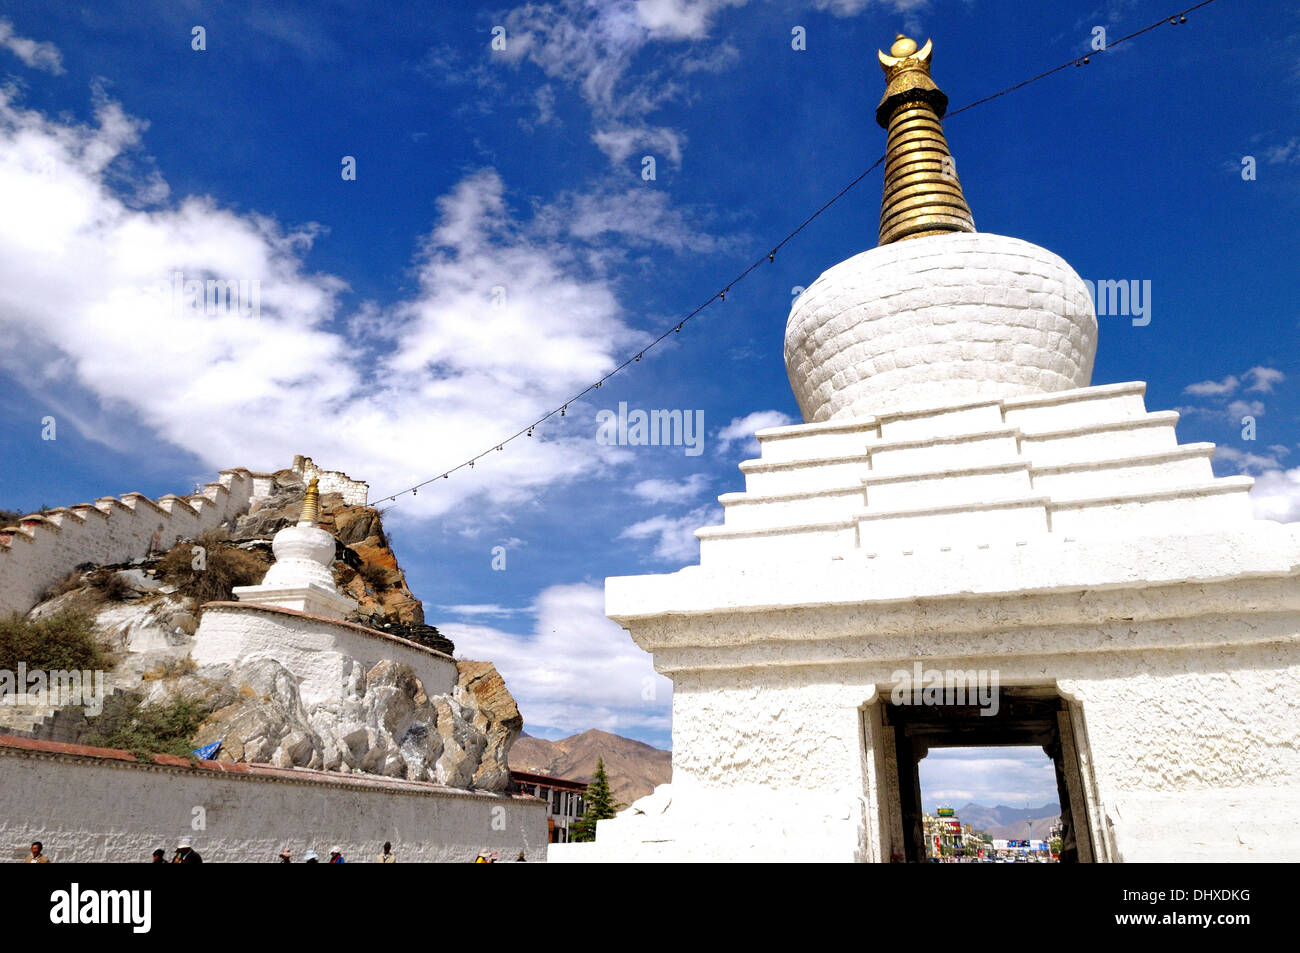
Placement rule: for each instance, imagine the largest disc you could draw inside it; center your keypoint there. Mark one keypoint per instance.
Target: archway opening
(1012, 718)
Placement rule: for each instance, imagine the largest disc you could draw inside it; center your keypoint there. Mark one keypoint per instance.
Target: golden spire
(310, 505)
(922, 195)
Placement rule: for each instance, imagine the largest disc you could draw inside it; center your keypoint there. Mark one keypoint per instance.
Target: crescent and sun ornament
(904, 48)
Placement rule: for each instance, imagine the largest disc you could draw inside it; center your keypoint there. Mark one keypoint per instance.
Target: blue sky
(499, 249)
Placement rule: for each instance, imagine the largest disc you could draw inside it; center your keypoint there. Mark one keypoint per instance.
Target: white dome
(303, 555)
(937, 320)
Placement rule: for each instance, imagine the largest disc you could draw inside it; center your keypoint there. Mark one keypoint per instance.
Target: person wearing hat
(310, 858)
(336, 855)
(185, 853)
(285, 856)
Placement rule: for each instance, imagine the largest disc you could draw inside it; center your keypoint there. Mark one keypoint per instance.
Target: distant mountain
(1019, 830)
(1009, 822)
(634, 768)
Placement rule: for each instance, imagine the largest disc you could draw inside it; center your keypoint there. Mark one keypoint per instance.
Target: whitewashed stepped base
(1087, 462)
(1062, 539)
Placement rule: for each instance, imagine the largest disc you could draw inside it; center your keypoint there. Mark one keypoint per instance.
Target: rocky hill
(145, 613)
(634, 768)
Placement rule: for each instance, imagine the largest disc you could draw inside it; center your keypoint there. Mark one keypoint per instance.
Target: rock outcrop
(481, 691)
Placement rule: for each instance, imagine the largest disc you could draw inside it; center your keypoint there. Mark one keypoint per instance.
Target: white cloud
(1276, 495)
(620, 142)
(37, 55)
(1226, 386)
(1284, 154)
(577, 670)
(544, 98)
(1244, 408)
(989, 776)
(1259, 379)
(594, 46)
(397, 394)
(680, 19)
(742, 429)
(675, 536)
(1263, 378)
(1247, 462)
(668, 491)
(637, 217)
(471, 610)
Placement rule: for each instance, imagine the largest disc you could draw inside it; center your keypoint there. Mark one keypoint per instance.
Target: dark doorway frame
(1026, 716)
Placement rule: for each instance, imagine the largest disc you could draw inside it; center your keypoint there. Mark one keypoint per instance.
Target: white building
(960, 496)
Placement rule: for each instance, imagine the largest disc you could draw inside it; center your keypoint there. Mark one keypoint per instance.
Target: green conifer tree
(600, 806)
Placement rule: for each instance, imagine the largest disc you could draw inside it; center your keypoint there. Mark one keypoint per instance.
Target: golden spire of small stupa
(310, 505)
(922, 195)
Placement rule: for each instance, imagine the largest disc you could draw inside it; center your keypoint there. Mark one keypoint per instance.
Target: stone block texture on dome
(937, 320)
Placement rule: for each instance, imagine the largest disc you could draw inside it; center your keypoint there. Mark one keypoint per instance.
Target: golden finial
(310, 505)
(922, 195)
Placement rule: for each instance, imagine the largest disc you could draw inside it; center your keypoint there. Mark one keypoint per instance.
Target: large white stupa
(962, 509)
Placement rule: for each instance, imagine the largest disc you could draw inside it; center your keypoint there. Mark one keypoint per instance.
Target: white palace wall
(42, 549)
(94, 804)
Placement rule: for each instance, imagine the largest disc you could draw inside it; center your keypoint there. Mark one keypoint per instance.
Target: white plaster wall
(948, 318)
(354, 492)
(318, 651)
(43, 551)
(85, 809)
(1195, 753)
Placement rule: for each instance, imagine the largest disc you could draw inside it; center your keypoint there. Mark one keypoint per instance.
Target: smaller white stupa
(301, 578)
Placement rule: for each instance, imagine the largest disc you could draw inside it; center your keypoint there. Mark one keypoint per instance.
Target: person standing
(38, 854)
(285, 856)
(336, 856)
(185, 853)
(159, 856)
(388, 857)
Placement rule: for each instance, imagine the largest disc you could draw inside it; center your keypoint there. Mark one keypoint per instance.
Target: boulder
(267, 723)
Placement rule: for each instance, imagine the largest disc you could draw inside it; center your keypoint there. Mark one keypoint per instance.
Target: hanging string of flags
(770, 257)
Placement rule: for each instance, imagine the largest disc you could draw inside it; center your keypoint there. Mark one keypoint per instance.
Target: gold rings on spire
(311, 505)
(922, 195)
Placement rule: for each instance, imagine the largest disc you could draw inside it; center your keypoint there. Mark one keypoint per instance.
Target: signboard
(946, 812)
